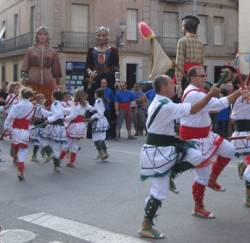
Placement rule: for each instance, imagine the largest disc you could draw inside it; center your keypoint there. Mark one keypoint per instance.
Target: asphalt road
(104, 202)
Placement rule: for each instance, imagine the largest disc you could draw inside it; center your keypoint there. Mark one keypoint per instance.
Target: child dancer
(38, 121)
(100, 125)
(67, 103)
(18, 122)
(76, 128)
(55, 130)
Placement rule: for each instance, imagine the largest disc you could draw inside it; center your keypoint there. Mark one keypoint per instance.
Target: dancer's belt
(242, 125)
(187, 133)
(37, 122)
(21, 124)
(58, 122)
(162, 140)
(78, 119)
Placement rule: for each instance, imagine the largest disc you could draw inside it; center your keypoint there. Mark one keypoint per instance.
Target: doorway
(131, 74)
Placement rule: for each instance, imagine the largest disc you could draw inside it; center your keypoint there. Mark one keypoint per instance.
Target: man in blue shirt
(150, 94)
(109, 109)
(123, 98)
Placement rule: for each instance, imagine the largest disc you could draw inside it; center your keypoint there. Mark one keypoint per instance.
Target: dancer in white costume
(100, 125)
(197, 128)
(38, 124)
(18, 122)
(159, 154)
(241, 116)
(76, 126)
(55, 130)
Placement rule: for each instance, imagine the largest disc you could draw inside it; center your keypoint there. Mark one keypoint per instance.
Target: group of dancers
(164, 155)
(57, 130)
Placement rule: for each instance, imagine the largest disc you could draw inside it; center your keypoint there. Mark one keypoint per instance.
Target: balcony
(17, 43)
(169, 44)
(77, 41)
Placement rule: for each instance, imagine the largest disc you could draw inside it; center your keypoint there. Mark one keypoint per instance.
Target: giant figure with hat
(190, 51)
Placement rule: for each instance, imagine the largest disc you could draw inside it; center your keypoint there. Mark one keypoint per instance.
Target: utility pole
(194, 11)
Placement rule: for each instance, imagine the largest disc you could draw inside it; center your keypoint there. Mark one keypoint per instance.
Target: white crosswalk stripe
(78, 230)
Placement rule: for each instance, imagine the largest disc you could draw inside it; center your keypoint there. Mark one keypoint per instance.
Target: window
(170, 29)
(3, 73)
(32, 19)
(16, 25)
(202, 29)
(132, 19)
(79, 18)
(15, 72)
(219, 31)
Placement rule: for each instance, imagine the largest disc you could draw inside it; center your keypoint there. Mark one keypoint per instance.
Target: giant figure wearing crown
(102, 62)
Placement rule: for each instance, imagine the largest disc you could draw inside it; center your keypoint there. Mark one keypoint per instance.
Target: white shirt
(22, 110)
(202, 118)
(241, 110)
(164, 121)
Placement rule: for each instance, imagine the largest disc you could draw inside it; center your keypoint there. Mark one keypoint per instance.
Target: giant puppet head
(42, 35)
(102, 35)
(190, 24)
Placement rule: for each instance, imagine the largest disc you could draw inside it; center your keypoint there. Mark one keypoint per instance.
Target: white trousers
(22, 154)
(201, 175)
(56, 148)
(74, 145)
(160, 185)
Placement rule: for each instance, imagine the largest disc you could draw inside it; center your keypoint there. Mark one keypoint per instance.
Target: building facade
(72, 23)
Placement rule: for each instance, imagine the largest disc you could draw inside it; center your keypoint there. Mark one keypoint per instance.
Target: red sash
(123, 106)
(187, 133)
(78, 119)
(22, 123)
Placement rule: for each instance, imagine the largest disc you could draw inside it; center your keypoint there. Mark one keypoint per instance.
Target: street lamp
(119, 37)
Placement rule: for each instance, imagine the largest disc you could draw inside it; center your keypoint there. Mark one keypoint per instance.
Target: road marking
(16, 236)
(78, 230)
(56, 242)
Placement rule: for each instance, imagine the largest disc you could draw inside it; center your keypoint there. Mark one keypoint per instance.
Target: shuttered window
(79, 18)
(203, 29)
(132, 19)
(170, 30)
(219, 31)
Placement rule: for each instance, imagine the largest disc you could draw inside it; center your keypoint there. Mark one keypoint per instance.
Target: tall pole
(194, 7)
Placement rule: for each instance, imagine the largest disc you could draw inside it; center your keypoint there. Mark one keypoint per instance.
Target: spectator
(123, 97)
(109, 109)
(150, 94)
(141, 104)
(3, 93)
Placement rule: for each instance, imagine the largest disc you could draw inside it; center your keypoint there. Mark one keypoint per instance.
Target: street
(103, 202)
